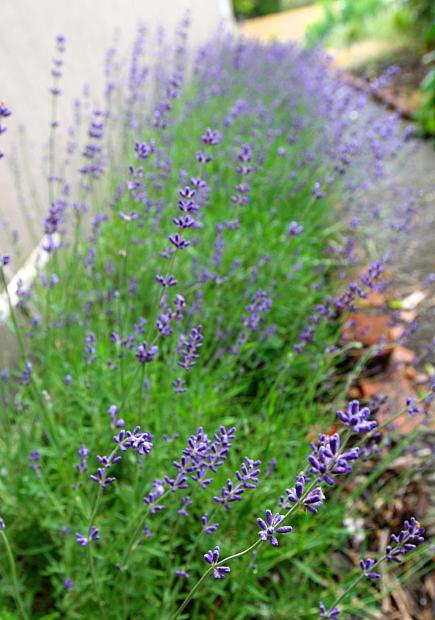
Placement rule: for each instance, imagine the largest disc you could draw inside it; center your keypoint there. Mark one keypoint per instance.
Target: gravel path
(413, 268)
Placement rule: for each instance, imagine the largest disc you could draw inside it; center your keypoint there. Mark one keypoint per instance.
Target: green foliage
(318, 31)
(351, 20)
(417, 18)
(255, 8)
(244, 8)
(349, 17)
(426, 113)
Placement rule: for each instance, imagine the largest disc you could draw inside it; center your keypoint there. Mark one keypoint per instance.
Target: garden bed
(188, 327)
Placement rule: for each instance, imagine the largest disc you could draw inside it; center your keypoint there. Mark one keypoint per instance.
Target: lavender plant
(186, 328)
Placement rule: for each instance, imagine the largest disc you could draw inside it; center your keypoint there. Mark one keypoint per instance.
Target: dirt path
(414, 256)
(282, 26)
(293, 24)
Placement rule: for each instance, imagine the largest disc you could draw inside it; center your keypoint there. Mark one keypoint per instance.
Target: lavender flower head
(247, 479)
(326, 460)
(141, 442)
(68, 584)
(212, 137)
(212, 558)
(407, 540)
(312, 502)
(366, 566)
(190, 348)
(182, 573)
(269, 528)
(357, 418)
(90, 350)
(4, 113)
(94, 534)
(83, 454)
(332, 615)
(207, 527)
(201, 456)
(145, 353)
(34, 461)
(294, 229)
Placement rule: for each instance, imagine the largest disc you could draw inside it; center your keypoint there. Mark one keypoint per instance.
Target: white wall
(27, 32)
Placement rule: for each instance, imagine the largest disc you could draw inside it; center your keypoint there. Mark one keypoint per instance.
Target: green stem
(35, 388)
(94, 578)
(191, 594)
(19, 602)
(134, 538)
(356, 581)
(395, 416)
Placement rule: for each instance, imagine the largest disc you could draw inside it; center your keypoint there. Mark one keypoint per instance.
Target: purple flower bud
(182, 573)
(68, 584)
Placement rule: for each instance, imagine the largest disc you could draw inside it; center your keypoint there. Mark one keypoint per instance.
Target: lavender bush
(183, 338)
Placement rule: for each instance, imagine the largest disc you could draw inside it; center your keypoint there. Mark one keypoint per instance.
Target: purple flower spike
(144, 150)
(247, 479)
(269, 528)
(82, 540)
(208, 528)
(294, 229)
(326, 460)
(182, 573)
(83, 454)
(94, 534)
(312, 502)
(179, 242)
(146, 354)
(190, 348)
(212, 558)
(90, 350)
(179, 386)
(356, 418)
(68, 584)
(34, 461)
(151, 500)
(366, 566)
(4, 111)
(332, 615)
(211, 137)
(411, 406)
(166, 281)
(140, 441)
(407, 540)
